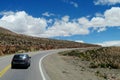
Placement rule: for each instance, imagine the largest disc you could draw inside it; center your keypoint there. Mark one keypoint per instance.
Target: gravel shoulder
(60, 67)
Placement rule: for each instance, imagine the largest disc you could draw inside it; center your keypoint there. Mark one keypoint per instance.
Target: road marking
(5, 70)
(40, 64)
(40, 67)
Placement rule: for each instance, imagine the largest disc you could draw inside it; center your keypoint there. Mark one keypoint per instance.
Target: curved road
(34, 72)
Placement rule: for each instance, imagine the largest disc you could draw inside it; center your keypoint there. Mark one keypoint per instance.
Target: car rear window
(19, 56)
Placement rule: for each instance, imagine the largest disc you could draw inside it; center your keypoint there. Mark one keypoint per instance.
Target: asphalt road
(34, 72)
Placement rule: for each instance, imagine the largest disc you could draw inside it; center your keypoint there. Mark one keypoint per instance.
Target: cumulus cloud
(99, 15)
(6, 13)
(106, 2)
(65, 18)
(21, 22)
(110, 18)
(110, 43)
(65, 27)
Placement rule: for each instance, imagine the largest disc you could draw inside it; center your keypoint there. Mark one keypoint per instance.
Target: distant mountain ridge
(11, 42)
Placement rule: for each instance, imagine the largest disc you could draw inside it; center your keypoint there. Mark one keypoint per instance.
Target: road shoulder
(58, 68)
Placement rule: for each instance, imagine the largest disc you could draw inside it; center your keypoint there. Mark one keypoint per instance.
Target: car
(20, 61)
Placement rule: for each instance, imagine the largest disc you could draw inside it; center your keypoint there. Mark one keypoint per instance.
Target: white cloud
(50, 21)
(110, 43)
(47, 14)
(84, 22)
(99, 15)
(110, 18)
(65, 27)
(65, 18)
(6, 13)
(106, 2)
(101, 29)
(21, 22)
(74, 4)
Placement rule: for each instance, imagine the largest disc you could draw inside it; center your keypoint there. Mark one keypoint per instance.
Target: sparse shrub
(105, 57)
(93, 65)
(29, 43)
(103, 65)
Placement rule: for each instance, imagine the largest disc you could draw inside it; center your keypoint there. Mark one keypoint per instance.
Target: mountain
(11, 42)
(6, 31)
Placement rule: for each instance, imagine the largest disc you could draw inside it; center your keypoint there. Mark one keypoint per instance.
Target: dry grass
(105, 57)
(11, 42)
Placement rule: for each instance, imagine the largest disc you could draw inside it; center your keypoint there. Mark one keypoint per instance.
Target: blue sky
(89, 21)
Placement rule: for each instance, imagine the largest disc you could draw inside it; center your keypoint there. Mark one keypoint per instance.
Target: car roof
(17, 55)
(21, 54)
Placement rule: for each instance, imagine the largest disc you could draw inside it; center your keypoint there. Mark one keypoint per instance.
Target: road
(34, 72)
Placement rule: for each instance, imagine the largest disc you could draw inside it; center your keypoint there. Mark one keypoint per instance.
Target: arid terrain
(93, 64)
(11, 42)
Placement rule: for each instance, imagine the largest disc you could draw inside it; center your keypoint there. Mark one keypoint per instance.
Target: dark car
(20, 61)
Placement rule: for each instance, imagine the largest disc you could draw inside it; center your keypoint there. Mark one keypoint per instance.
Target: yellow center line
(5, 70)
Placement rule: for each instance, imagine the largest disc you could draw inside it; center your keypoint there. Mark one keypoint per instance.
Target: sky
(86, 21)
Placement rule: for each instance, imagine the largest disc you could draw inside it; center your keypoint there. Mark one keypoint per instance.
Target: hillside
(84, 64)
(11, 42)
(104, 57)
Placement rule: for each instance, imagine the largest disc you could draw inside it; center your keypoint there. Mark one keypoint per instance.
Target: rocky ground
(59, 67)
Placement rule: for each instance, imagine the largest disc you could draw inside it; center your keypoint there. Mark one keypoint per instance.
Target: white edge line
(40, 67)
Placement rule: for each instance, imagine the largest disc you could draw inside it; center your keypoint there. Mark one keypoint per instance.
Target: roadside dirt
(60, 67)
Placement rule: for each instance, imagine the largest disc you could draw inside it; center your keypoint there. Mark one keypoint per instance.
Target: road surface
(34, 72)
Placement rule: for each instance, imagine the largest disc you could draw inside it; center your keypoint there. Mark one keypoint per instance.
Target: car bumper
(19, 65)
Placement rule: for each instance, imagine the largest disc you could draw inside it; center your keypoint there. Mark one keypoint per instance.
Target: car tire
(12, 67)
